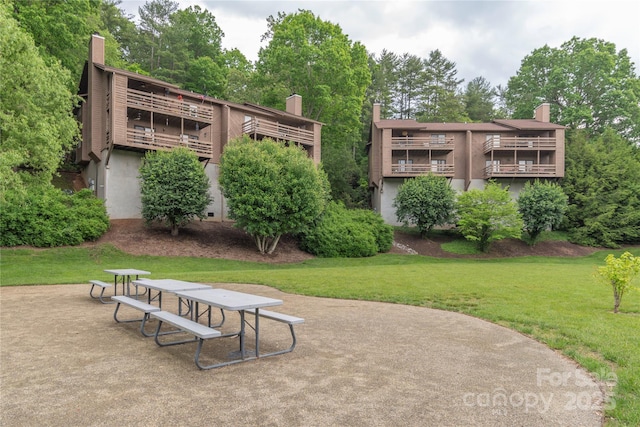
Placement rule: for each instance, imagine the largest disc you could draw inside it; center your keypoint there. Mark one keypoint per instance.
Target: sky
(484, 38)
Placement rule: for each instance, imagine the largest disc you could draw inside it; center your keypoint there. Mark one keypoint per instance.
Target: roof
(187, 93)
(528, 124)
(439, 127)
(494, 126)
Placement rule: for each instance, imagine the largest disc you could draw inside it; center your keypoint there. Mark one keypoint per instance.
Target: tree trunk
(174, 229)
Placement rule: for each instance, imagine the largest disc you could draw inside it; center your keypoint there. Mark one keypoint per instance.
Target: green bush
(47, 217)
(341, 232)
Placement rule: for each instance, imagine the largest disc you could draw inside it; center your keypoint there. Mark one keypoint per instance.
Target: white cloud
(488, 38)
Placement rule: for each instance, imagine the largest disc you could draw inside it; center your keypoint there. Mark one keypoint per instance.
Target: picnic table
(232, 301)
(167, 285)
(125, 274)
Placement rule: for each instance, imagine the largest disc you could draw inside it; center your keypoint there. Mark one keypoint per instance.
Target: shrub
(341, 232)
(47, 217)
(425, 201)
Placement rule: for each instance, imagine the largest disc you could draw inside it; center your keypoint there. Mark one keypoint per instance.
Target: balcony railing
(277, 131)
(510, 170)
(417, 169)
(188, 109)
(157, 141)
(426, 142)
(520, 143)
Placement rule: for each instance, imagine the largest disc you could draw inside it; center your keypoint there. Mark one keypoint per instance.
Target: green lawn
(555, 300)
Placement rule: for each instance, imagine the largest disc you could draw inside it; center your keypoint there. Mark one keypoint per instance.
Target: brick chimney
(96, 49)
(376, 112)
(543, 113)
(294, 104)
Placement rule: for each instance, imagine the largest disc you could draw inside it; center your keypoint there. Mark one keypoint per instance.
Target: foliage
(271, 189)
(45, 217)
(602, 182)
(174, 187)
(488, 215)
(587, 82)
(350, 233)
(542, 206)
(619, 273)
(425, 201)
(36, 124)
(479, 100)
(441, 101)
(314, 59)
(62, 30)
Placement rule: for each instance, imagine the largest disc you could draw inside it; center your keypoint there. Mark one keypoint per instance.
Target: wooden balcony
(518, 170)
(422, 143)
(157, 141)
(265, 129)
(410, 170)
(187, 108)
(536, 143)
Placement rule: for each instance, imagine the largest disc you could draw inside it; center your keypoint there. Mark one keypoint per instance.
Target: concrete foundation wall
(122, 186)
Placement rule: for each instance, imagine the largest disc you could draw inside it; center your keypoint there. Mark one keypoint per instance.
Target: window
(193, 110)
(139, 136)
(438, 138)
(493, 165)
(437, 165)
(525, 165)
(494, 139)
(405, 165)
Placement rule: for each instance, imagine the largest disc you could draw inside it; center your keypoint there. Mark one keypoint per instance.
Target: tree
(441, 101)
(602, 182)
(488, 215)
(271, 189)
(62, 30)
(478, 100)
(384, 83)
(174, 187)
(313, 58)
(425, 201)
(588, 84)
(619, 273)
(36, 122)
(542, 206)
(409, 88)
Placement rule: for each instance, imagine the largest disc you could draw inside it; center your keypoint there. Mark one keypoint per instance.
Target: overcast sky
(483, 38)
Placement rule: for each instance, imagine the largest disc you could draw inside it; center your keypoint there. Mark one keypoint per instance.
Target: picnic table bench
(138, 305)
(280, 317)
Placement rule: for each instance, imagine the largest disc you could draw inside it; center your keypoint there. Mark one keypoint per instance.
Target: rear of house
(125, 114)
(511, 152)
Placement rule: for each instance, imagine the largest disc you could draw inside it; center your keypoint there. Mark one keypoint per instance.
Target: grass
(554, 300)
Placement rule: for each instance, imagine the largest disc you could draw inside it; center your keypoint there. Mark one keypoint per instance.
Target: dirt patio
(66, 362)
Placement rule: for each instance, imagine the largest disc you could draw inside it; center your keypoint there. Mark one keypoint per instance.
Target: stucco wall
(382, 201)
(119, 185)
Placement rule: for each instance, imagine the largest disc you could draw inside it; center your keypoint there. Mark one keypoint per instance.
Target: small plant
(619, 273)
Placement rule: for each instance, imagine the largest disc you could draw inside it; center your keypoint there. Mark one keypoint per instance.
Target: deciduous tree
(619, 273)
(174, 187)
(488, 215)
(542, 206)
(36, 122)
(589, 84)
(425, 201)
(271, 189)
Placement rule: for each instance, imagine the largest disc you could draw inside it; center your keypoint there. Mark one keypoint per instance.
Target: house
(510, 152)
(125, 114)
